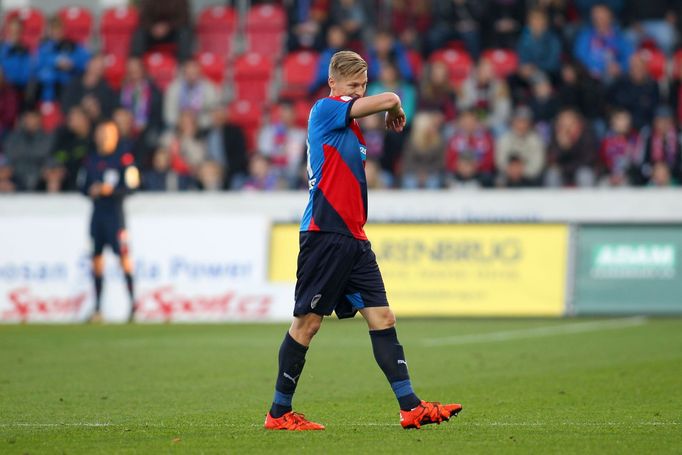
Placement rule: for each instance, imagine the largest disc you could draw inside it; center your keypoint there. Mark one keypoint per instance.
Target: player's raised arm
(387, 102)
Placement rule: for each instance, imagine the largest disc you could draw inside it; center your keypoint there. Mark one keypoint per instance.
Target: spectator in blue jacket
(387, 50)
(539, 48)
(59, 60)
(15, 58)
(602, 47)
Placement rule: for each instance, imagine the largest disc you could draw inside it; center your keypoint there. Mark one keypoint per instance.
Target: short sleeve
(332, 113)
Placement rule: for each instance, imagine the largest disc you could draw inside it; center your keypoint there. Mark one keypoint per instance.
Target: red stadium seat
(212, 66)
(656, 62)
(33, 22)
(116, 30)
(504, 61)
(77, 23)
(51, 115)
(114, 70)
(302, 108)
(247, 115)
(458, 62)
(265, 29)
(161, 68)
(298, 72)
(252, 73)
(215, 29)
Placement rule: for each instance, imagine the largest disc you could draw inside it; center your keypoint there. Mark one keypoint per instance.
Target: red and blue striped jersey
(336, 170)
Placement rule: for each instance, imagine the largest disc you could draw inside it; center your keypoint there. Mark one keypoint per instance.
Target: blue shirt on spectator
(48, 72)
(597, 51)
(16, 63)
(543, 51)
(400, 60)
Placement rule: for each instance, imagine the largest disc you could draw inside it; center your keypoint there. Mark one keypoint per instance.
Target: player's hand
(106, 189)
(396, 120)
(95, 189)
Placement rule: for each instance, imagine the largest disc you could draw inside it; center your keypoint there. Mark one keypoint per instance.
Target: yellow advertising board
(473, 270)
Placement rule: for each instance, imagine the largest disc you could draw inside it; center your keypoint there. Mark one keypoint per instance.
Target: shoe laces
(296, 418)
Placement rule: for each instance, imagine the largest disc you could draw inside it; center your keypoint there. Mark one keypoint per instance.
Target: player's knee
(312, 327)
(388, 319)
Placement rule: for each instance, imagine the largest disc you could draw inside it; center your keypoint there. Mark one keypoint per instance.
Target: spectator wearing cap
(464, 174)
(424, 154)
(636, 92)
(488, 96)
(58, 61)
(27, 150)
(15, 58)
(91, 83)
(618, 150)
(660, 143)
(654, 20)
(513, 174)
(521, 140)
(190, 92)
(572, 152)
(602, 47)
(164, 25)
(471, 137)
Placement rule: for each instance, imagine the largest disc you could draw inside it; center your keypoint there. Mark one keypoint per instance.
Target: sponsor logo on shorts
(313, 303)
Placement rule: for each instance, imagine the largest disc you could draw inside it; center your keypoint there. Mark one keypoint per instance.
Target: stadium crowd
(498, 93)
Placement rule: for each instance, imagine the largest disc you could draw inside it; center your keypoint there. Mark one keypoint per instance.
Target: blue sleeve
(330, 114)
(45, 63)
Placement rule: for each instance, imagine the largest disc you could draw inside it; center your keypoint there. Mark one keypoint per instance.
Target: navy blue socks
(98, 291)
(291, 362)
(391, 359)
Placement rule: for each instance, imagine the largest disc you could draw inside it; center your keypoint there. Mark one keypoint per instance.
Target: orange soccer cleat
(428, 412)
(292, 421)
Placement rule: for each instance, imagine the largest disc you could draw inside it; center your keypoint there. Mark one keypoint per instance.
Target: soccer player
(337, 270)
(107, 176)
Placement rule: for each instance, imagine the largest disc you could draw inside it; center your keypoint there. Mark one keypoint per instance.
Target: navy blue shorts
(108, 231)
(337, 273)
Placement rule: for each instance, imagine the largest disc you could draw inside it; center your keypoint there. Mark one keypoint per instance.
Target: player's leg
(366, 292)
(389, 354)
(324, 261)
(98, 280)
(98, 239)
(292, 354)
(120, 247)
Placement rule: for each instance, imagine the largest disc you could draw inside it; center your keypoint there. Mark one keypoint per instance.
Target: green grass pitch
(527, 386)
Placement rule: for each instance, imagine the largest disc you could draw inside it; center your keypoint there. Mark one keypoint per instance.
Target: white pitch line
(579, 327)
(180, 426)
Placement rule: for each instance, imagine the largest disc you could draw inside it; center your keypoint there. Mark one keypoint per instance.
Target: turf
(205, 389)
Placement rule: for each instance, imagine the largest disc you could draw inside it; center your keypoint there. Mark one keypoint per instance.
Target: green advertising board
(628, 270)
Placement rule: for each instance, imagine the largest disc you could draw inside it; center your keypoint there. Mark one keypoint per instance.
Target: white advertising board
(196, 269)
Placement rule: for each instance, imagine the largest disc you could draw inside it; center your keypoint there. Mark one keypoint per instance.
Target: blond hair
(346, 64)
